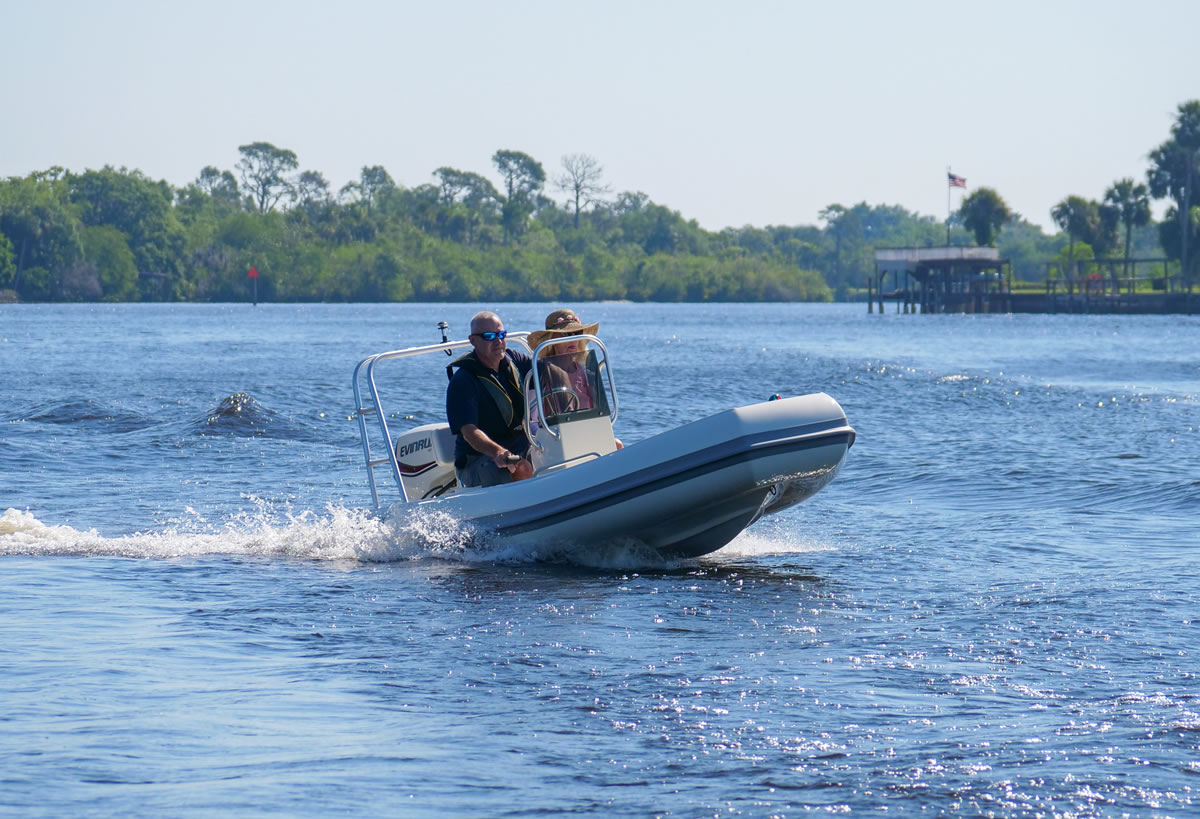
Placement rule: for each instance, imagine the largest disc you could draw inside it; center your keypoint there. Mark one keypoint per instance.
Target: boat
(681, 494)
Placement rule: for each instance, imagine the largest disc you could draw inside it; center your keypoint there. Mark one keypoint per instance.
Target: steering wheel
(571, 396)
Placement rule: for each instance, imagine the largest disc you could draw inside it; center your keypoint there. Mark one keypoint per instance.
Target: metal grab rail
(365, 370)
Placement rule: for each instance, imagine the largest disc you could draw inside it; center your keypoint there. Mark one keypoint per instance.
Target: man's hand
(506, 460)
(501, 457)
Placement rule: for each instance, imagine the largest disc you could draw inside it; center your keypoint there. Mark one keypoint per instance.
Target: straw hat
(562, 322)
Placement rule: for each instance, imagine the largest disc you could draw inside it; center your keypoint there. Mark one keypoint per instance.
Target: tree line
(1106, 228)
(117, 235)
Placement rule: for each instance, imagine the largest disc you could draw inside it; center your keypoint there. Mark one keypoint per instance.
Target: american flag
(957, 181)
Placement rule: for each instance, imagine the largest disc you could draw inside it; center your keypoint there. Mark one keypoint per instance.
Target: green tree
(849, 233)
(311, 188)
(220, 185)
(1105, 237)
(43, 227)
(138, 207)
(1074, 216)
(1174, 171)
(523, 180)
(470, 201)
(263, 169)
(1027, 248)
(630, 202)
(373, 183)
(8, 264)
(312, 196)
(365, 206)
(1171, 233)
(107, 251)
(984, 213)
(1132, 203)
(1073, 259)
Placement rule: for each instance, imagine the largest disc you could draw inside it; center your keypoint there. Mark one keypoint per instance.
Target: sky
(732, 113)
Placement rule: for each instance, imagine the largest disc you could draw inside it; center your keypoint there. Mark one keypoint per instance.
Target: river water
(993, 610)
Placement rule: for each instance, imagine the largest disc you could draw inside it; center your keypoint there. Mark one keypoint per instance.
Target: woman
(567, 384)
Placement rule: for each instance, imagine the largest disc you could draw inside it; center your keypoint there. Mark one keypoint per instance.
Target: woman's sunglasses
(492, 336)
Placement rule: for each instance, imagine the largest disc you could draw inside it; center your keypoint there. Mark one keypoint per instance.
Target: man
(485, 408)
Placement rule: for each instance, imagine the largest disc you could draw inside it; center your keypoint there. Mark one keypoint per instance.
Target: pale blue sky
(732, 113)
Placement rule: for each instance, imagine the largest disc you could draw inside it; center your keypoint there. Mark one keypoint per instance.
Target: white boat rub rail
(675, 471)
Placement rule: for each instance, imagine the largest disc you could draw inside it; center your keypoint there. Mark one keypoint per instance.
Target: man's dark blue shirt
(468, 402)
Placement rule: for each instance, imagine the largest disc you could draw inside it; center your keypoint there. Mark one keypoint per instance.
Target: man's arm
(483, 444)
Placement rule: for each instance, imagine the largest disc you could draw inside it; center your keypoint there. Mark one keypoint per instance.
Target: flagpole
(947, 206)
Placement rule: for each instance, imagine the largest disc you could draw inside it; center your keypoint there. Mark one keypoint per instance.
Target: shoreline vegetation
(117, 235)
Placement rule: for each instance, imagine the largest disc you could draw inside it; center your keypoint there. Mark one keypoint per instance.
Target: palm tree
(1072, 215)
(1173, 170)
(984, 213)
(1132, 201)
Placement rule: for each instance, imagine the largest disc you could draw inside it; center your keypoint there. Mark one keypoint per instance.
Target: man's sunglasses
(492, 336)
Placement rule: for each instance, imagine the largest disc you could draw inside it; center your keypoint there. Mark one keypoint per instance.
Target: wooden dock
(977, 280)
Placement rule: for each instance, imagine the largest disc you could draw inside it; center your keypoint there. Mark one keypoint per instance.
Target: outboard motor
(426, 458)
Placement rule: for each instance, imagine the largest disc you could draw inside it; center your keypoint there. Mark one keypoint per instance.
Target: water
(992, 611)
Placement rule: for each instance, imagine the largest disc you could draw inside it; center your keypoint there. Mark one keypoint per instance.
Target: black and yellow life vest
(503, 387)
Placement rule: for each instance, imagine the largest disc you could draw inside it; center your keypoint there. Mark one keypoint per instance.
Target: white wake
(342, 534)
